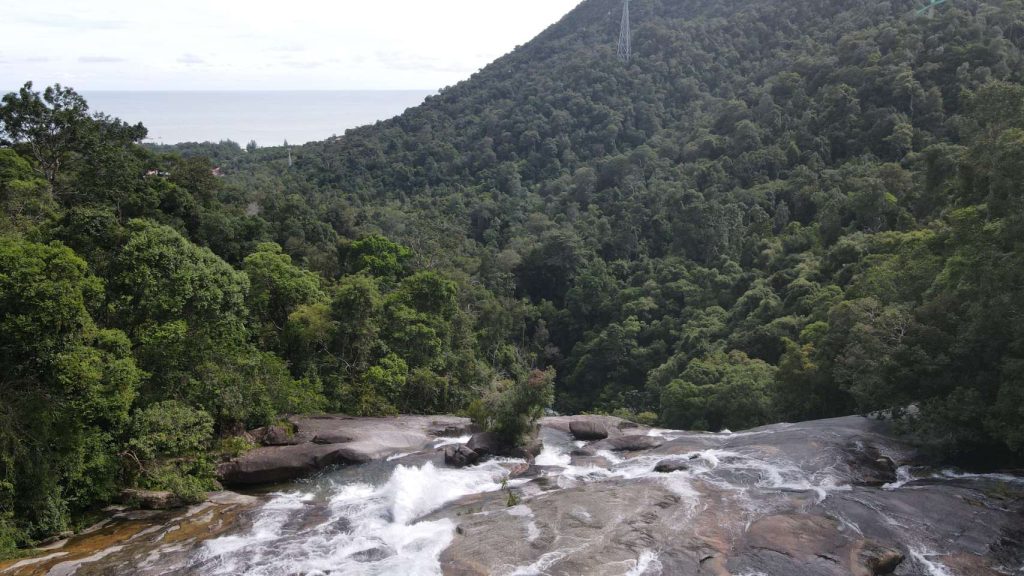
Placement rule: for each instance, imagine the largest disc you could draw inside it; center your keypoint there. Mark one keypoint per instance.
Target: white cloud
(100, 60)
(264, 44)
(190, 59)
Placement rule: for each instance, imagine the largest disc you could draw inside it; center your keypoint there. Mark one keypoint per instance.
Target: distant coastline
(268, 117)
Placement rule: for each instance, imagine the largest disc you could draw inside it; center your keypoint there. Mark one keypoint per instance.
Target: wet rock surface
(627, 443)
(672, 465)
(834, 497)
(818, 498)
(142, 543)
(613, 426)
(320, 442)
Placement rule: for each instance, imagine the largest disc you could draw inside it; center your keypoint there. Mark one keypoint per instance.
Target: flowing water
(611, 513)
(375, 519)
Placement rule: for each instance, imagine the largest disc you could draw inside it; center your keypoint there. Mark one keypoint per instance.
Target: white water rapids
(365, 528)
(354, 521)
(369, 520)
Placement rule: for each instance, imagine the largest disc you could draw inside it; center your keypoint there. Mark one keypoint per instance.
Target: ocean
(269, 118)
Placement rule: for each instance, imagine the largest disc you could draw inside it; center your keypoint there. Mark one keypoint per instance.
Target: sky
(262, 44)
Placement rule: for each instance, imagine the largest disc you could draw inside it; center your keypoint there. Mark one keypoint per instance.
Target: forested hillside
(133, 355)
(777, 210)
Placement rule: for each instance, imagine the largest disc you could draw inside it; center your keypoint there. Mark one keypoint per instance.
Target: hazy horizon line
(232, 90)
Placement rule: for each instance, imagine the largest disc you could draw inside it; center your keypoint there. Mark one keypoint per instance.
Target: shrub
(170, 429)
(511, 407)
(169, 443)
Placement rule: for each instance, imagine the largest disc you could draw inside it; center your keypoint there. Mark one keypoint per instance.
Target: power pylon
(930, 8)
(625, 37)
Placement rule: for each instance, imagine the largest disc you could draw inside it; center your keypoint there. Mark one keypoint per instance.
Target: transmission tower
(930, 8)
(625, 37)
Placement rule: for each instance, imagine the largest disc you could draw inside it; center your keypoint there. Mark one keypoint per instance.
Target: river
(829, 497)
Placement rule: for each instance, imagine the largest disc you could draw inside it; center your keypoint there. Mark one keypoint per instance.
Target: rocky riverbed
(604, 496)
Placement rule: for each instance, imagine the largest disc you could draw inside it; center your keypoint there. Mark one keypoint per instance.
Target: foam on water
(540, 567)
(552, 455)
(957, 475)
(369, 529)
(646, 565)
(903, 476)
(704, 465)
(921, 555)
(370, 524)
(442, 442)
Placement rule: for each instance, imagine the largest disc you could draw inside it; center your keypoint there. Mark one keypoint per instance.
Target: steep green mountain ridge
(775, 211)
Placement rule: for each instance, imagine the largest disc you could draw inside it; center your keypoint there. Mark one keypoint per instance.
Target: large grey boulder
(486, 444)
(489, 444)
(281, 463)
(672, 465)
(588, 429)
(613, 426)
(332, 437)
(460, 456)
(328, 440)
(628, 443)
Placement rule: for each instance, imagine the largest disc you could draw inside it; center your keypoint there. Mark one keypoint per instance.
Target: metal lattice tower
(929, 10)
(625, 37)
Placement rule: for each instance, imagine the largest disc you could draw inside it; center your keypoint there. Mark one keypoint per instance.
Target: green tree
(66, 387)
(719, 391)
(378, 256)
(277, 288)
(54, 126)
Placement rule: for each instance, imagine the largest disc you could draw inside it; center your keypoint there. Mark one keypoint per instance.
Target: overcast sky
(261, 44)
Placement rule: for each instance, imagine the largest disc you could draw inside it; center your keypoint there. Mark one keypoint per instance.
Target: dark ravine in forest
(839, 496)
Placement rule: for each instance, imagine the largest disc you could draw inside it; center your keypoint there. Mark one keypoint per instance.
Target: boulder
(627, 443)
(326, 440)
(779, 544)
(151, 499)
(273, 436)
(587, 429)
(489, 444)
(331, 438)
(672, 465)
(878, 559)
(868, 467)
(448, 429)
(485, 444)
(460, 455)
(613, 426)
(280, 463)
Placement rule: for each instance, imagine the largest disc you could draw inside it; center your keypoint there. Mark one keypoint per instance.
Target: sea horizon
(268, 117)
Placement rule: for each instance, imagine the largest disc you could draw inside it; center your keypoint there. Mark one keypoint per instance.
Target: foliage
(66, 389)
(234, 446)
(792, 210)
(719, 391)
(168, 446)
(511, 408)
